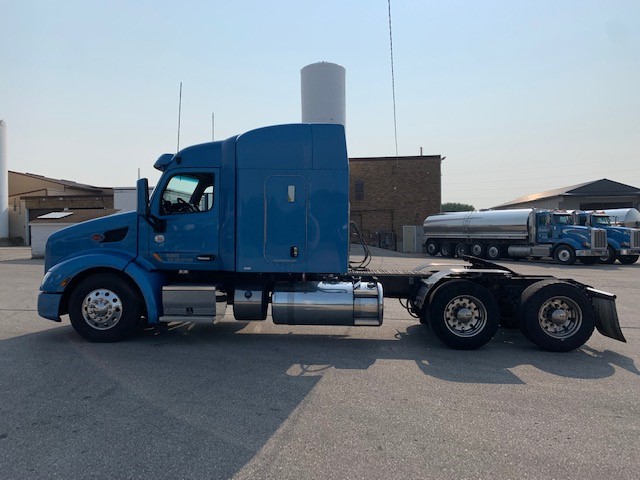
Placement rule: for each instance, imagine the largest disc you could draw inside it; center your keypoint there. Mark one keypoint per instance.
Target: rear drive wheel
(104, 308)
(493, 252)
(556, 316)
(446, 250)
(477, 250)
(628, 259)
(461, 249)
(565, 255)
(463, 314)
(432, 247)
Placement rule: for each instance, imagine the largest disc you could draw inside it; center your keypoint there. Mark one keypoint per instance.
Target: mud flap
(607, 322)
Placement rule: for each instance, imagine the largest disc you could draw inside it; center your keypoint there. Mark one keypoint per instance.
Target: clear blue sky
(520, 96)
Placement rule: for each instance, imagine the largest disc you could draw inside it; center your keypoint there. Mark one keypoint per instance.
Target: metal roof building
(595, 195)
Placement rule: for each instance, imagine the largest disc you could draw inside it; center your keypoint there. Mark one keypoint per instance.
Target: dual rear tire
(554, 315)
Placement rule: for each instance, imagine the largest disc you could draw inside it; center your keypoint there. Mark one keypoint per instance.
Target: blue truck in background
(262, 220)
(623, 242)
(514, 233)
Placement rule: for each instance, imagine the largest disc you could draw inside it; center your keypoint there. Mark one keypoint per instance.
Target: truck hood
(114, 232)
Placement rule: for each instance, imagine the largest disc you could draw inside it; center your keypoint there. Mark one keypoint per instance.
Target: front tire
(610, 257)
(105, 307)
(628, 259)
(556, 315)
(565, 255)
(463, 314)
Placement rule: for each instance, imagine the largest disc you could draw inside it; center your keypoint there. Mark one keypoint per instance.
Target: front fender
(614, 244)
(150, 285)
(61, 274)
(568, 242)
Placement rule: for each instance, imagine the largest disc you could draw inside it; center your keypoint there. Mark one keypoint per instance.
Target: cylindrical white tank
(4, 182)
(323, 93)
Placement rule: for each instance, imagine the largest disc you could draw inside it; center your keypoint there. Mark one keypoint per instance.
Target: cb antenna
(179, 113)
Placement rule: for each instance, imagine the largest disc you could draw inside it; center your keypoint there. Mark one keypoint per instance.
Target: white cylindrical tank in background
(323, 93)
(4, 182)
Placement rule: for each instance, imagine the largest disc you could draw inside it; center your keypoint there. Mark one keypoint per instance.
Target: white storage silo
(323, 93)
(4, 182)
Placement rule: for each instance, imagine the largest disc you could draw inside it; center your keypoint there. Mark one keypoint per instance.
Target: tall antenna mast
(213, 124)
(393, 84)
(179, 113)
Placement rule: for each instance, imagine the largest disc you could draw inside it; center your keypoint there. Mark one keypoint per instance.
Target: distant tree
(456, 207)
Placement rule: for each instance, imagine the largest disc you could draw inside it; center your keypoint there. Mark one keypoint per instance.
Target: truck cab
(623, 242)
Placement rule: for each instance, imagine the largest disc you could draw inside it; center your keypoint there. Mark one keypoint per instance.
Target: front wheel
(628, 259)
(556, 316)
(609, 258)
(104, 308)
(565, 255)
(463, 314)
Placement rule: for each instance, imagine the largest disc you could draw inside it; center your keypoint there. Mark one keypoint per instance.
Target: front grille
(598, 238)
(635, 239)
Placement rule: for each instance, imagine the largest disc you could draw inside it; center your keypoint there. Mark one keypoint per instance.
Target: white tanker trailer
(520, 233)
(625, 217)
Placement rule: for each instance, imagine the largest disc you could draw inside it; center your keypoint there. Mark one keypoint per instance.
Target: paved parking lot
(257, 400)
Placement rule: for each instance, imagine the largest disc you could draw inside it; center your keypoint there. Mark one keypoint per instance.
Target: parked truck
(516, 233)
(623, 242)
(262, 219)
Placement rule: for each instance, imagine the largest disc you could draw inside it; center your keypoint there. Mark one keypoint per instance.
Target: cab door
(187, 206)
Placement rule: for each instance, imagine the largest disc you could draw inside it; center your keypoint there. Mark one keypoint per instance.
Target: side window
(544, 220)
(188, 193)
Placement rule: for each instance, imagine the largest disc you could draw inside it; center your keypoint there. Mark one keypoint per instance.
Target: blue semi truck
(262, 219)
(623, 242)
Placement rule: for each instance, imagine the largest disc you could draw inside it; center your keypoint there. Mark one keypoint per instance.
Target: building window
(359, 190)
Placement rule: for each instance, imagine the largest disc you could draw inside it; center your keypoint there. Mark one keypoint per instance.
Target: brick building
(387, 193)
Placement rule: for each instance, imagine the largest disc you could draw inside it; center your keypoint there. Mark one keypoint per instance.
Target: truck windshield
(563, 219)
(600, 220)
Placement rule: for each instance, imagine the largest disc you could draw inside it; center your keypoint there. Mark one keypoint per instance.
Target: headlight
(586, 244)
(625, 244)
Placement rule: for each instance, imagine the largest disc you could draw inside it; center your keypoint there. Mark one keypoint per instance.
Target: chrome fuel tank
(327, 303)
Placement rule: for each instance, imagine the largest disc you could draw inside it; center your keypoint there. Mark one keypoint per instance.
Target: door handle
(206, 258)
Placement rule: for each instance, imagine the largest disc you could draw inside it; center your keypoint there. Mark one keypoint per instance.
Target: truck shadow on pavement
(200, 401)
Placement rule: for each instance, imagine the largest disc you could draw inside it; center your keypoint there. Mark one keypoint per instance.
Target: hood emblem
(159, 238)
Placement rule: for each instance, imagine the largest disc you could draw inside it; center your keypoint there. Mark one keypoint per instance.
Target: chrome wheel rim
(465, 316)
(564, 255)
(432, 249)
(102, 309)
(492, 252)
(560, 317)
(476, 250)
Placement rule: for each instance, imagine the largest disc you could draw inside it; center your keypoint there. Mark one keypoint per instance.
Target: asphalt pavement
(258, 400)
